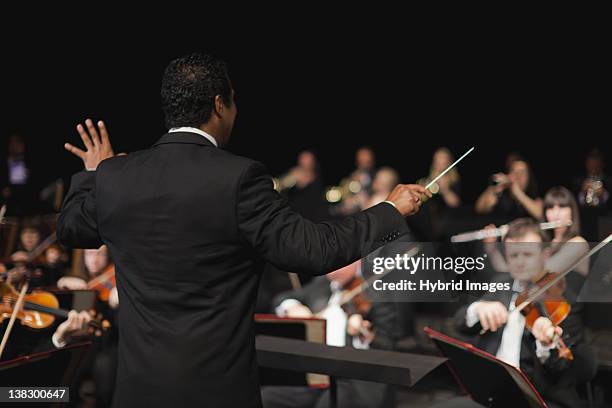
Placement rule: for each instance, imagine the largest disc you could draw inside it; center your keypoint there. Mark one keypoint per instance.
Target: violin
(354, 294)
(39, 309)
(552, 306)
(104, 283)
(354, 291)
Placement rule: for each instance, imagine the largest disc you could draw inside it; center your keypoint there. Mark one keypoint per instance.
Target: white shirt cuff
(471, 318)
(56, 342)
(542, 351)
(360, 344)
(281, 310)
(390, 202)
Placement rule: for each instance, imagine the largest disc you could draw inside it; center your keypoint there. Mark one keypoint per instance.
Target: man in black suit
(506, 336)
(185, 222)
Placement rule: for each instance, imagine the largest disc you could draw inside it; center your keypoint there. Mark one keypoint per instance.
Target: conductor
(185, 221)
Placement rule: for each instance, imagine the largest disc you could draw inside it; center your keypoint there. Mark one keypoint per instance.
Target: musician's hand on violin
(113, 298)
(71, 283)
(358, 326)
(407, 198)
(492, 315)
(299, 311)
(20, 256)
(76, 325)
(544, 331)
(353, 325)
(16, 275)
(97, 144)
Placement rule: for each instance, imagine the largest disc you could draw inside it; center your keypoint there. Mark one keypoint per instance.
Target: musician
(440, 210)
(594, 186)
(533, 352)
(511, 195)
(306, 193)
(29, 239)
(385, 180)
(101, 364)
(359, 183)
(365, 164)
(97, 263)
(54, 267)
(346, 327)
(185, 222)
(592, 191)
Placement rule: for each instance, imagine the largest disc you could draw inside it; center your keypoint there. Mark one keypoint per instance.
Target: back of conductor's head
(196, 92)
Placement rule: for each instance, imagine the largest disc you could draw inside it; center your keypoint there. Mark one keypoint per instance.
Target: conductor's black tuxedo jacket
(185, 222)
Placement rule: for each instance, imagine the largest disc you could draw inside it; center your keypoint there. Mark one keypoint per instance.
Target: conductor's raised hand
(97, 144)
(407, 198)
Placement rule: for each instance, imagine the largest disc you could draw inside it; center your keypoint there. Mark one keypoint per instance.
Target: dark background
(547, 98)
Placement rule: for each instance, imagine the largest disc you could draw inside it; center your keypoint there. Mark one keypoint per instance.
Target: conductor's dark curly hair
(189, 87)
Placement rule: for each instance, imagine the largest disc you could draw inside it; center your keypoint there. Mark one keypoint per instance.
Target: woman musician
(101, 274)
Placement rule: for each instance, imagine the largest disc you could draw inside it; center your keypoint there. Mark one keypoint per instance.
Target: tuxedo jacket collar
(184, 138)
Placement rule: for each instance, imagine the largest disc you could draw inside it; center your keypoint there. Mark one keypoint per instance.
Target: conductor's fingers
(74, 150)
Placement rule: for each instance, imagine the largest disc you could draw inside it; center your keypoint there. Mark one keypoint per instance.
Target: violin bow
(367, 282)
(11, 322)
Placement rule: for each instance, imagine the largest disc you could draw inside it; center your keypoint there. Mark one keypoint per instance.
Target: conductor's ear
(219, 106)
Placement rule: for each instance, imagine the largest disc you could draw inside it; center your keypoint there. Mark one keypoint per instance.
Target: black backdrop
(403, 98)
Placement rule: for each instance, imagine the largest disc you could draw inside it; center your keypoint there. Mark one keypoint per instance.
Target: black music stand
(389, 367)
(486, 379)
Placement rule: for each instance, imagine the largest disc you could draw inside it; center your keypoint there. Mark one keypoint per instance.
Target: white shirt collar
(195, 130)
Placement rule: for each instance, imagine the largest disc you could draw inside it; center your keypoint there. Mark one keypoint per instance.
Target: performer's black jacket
(556, 378)
(185, 222)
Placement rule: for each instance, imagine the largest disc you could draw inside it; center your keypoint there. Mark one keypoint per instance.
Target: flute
(501, 230)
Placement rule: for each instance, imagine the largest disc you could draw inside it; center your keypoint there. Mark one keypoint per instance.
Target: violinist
(535, 351)
(29, 239)
(101, 276)
(103, 364)
(346, 327)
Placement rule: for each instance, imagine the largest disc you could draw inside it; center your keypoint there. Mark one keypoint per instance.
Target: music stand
(55, 368)
(389, 367)
(486, 379)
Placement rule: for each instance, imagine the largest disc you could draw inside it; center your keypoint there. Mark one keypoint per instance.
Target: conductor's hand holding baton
(407, 198)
